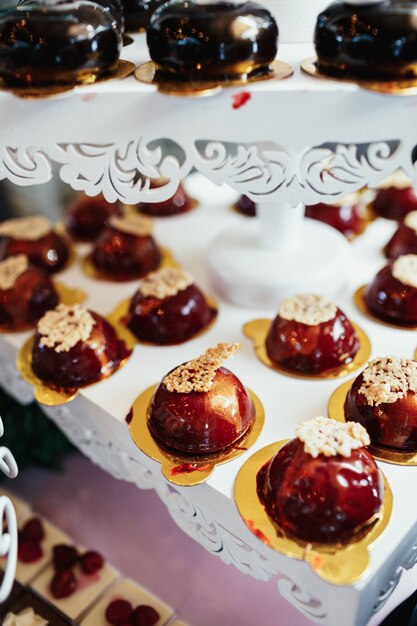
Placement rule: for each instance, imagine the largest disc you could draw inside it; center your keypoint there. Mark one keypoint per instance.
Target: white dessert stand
(298, 141)
(8, 536)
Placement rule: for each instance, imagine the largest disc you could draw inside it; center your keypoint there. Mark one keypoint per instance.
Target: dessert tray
(312, 140)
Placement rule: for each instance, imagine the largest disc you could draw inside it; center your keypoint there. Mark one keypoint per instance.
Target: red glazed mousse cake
(392, 295)
(179, 203)
(395, 197)
(310, 335)
(26, 293)
(344, 215)
(87, 217)
(74, 347)
(404, 240)
(323, 486)
(126, 249)
(34, 237)
(383, 399)
(168, 308)
(201, 407)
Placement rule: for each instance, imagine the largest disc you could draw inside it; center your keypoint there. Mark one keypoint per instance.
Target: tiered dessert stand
(297, 141)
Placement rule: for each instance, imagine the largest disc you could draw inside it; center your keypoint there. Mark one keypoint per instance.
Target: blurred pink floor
(136, 534)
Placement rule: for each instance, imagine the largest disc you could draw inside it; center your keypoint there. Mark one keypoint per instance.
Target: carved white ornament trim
(264, 171)
(302, 600)
(8, 523)
(408, 563)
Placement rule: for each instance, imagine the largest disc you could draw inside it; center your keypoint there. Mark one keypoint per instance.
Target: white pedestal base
(309, 257)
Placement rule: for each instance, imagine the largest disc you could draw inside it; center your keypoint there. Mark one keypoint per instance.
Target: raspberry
(91, 562)
(33, 530)
(119, 612)
(29, 551)
(64, 557)
(145, 615)
(63, 584)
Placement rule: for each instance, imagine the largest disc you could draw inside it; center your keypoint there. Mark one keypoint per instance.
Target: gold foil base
(48, 395)
(121, 311)
(197, 467)
(340, 564)
(335, 410)
(257, 331)
(358, 299)
(147, 73)
(391, 87)
(88, 268)
(123, 69)
(66, 295)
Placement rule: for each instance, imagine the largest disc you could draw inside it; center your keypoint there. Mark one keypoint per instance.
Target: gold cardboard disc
(87, 266)
(340, 564)
(122, 69)
(187, 469)
(66, 295)
(335, 410)
(148, 74)
(390, 87)
(257, 331)
(121, 311)
(47, 395)
(358, 299)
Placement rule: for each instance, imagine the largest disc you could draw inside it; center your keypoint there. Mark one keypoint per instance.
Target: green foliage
(30, 435)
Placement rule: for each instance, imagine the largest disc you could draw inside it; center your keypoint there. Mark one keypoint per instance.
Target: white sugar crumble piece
(404, 269)
(322, 435)
(386, 380)
(11, 269)
(63, 327)
(27, 228)
(198, 374)
(165, 282)
(27, 617)
(307, 308)
(399, 180)
(138, 225)
(410, 221)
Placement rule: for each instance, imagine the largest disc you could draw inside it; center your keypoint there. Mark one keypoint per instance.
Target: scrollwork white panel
(302, 600)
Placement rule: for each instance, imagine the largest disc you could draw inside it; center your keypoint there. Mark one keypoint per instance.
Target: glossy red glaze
(26, 302)
(86, 363)
(201, 422)
(392, 425)
(122, 256)
(403, 241)
(322, 500)
(86, 217)
(312, 349)
(391, 300)
(245, 206)
(170, 320)
(179, 203)
(50, 253)
(394, 203)
(345, 219)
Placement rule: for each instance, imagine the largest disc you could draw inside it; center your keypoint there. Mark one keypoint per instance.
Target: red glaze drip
(403, 241)
(394, 203)
(178, 204)
(240, 99)
(122, 256)
(86, 218)
(392, 425)
(26, 302)
(171, 320)
(312, 349)
(188, 468)
(50, 253)
(86, 363)
(345, 219)
(201, 422)
(245, 206)
(391, 300)
(322, 500)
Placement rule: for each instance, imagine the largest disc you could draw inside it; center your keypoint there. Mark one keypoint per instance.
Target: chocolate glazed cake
(376, 40)
(213, 41)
